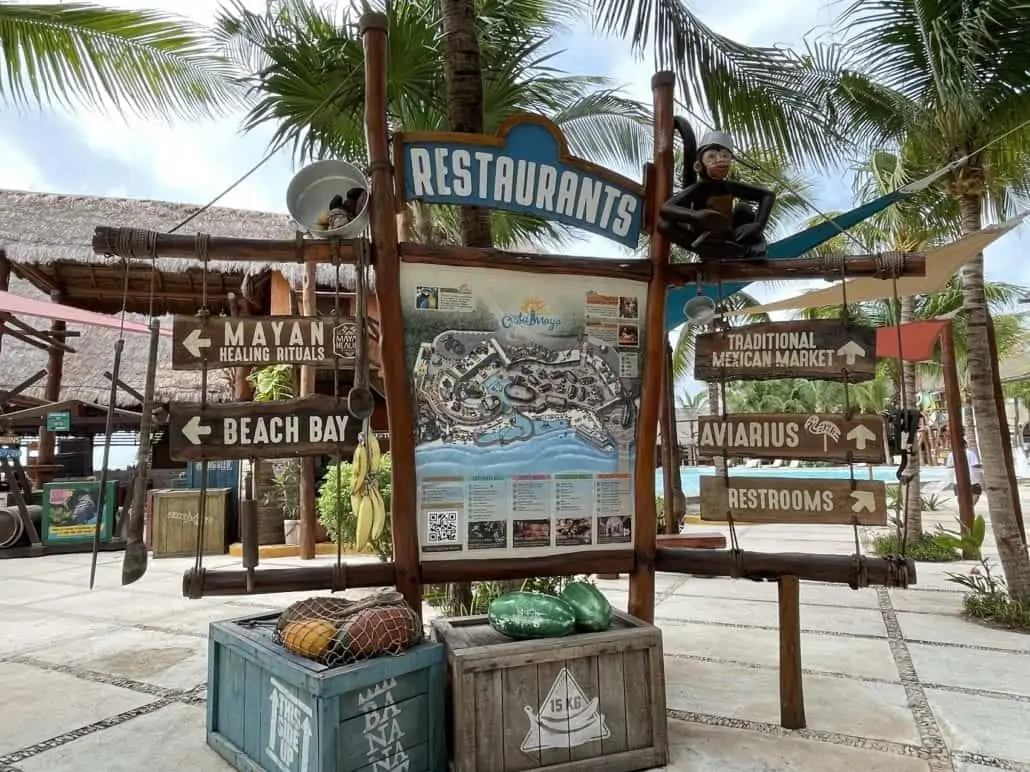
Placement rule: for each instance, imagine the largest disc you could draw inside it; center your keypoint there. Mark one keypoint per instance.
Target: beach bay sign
(525, 168)
(825, 349)
(793, 501)
(801, 436)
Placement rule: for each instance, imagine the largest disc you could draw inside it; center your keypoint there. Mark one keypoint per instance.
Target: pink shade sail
(16, 305)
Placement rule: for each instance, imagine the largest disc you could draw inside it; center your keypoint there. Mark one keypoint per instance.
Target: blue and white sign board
(525, 168)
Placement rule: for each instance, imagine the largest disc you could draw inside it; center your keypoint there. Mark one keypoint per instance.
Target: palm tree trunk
(913, 510)
(1015, 562)
(464, 77)
(969, 420)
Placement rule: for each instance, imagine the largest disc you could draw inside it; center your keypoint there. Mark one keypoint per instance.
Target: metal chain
(904, 476)
(734, 540)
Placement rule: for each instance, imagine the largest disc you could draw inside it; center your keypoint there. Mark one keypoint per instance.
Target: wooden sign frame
(753, 499)
(793, 436)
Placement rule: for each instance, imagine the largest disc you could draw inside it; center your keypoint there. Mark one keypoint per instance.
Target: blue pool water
(691, 474)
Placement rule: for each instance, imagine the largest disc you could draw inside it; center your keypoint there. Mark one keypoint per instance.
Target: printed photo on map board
(526, 391)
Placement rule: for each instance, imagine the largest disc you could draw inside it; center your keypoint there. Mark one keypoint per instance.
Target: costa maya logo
(531, 314)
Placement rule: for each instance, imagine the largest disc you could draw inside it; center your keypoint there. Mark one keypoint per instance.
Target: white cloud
(17, 170)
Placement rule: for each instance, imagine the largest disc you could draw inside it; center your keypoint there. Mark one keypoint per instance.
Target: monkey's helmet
(715, 139)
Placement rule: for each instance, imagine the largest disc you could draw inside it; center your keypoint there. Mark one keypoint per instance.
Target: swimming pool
(690, 475)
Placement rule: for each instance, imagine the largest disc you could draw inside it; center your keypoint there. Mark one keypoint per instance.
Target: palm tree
(84, 55)
(949, 78)
(302, 68)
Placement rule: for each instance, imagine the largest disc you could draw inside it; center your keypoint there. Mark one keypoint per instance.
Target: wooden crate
(585, 702)
(270, 710)
(176, 513)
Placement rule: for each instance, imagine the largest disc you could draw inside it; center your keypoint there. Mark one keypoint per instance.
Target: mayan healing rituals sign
(224, 341)
(825, 349)
(817, 437)
(800, 501)
(309, 426)
(527, 392)
(525, 168)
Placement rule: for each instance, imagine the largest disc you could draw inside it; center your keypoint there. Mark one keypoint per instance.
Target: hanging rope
(334, 246)
(201, 249)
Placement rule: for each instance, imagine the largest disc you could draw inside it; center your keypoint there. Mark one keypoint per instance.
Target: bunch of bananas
(365, 499)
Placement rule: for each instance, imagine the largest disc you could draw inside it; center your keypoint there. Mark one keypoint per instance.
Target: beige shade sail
(941, 264)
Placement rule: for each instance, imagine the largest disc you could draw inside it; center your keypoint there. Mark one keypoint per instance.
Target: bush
(928, 548)
(341, 523)
(484, 593)
(998, 609)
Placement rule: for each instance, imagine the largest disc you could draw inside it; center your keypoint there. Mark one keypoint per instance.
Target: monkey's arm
(763, 197)
(687, 200)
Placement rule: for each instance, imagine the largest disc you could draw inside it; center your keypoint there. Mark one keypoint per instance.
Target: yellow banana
(355, 503)
(375, 452)
(379, 523)
(359, 468)
(366, 517)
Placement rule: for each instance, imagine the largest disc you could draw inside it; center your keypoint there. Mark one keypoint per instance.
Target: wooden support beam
(953, 399)
(126, 388)
(35, 341)
(114, 241)
(1006, 437)
(308, 511)
(5, 283)
(759, 269)
(792, 691)
(27, 383)
(52, 391)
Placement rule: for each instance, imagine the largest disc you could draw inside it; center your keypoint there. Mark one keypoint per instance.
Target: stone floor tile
(701, 748)
(168, 740)
(996, 671)
(24, 629)
(864, 709)
(742, 612)
(988, 725)
(940, 628)
(927, 601)
(49, 704)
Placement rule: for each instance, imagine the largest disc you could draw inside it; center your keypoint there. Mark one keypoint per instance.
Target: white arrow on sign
(849, 351)
(861, 435)
(193, 343)
(864, 501)
(193, 431)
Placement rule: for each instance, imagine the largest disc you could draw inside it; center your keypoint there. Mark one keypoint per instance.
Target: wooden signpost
(232, 341)
(824, 349)
(796, 436)
(797, 501)
(309, 426)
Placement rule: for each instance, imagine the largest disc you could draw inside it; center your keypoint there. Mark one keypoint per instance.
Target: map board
(526, 391)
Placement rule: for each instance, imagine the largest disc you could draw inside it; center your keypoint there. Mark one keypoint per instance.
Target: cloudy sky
(58, 152)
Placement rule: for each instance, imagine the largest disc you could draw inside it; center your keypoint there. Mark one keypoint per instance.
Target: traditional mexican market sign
(227, 341)
(525, 168)
(800, 501)
(817, 436)
(825, 349)
(309, 426)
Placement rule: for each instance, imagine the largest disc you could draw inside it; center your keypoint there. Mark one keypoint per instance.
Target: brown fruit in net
(381, 630)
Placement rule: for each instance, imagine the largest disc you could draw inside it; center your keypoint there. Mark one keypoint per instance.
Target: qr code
(441, 527)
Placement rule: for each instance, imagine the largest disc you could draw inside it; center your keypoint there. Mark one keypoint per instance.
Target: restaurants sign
(826, 349)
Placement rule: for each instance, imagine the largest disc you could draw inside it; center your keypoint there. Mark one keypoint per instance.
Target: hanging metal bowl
(313, 187)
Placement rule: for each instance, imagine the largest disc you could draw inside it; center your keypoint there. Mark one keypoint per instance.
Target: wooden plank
(792, 694)
(826, 349)
(489, 705)
(463, 691)
(611, 690)
(780, 500)
(224, 341)
(587, 745)
(801, 436)
(310, 426)
(659, 718)
(552, 703)
(384, 735)
(520, 689)
(637, 683)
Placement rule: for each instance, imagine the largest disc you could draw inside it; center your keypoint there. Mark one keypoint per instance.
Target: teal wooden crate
(271, 711)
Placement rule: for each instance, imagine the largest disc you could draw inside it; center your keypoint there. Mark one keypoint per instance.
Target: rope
(202, 244)
(334, 247)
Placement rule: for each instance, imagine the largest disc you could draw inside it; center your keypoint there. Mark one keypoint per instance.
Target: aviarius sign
(309, 426)
(525, 168)
(815, 436)
(818, 501)
(825, 349)
(229, 341)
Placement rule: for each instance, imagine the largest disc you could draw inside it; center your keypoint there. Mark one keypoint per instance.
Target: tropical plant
(276, 481)
(697, 401)
(947, 80)
(83, 55)
(302, 68)
(338, 517)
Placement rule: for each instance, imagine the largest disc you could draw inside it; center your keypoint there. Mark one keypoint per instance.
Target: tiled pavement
(114, 679)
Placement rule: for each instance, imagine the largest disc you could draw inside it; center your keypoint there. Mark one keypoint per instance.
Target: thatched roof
(48, 239)
(83, 378)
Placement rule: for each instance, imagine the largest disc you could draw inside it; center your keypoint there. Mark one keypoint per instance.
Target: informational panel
(825, 349)
(795, 500)
(816, 436)
(527, 390)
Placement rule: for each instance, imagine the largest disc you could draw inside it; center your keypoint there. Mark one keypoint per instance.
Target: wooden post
(386, 258)
(52, 393)
(308, 512)
(1003, 423)
(5, 283)
(670, 455)
(953, 399)
(641, 581)
(242, 388)
(792, 693)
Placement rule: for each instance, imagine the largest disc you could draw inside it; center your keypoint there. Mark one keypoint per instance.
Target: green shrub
(484, 593)
(998, 609)
(928, 548)
(340, 523)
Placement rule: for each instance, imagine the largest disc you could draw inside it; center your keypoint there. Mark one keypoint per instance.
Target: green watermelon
(531, 615)
(593, 611)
